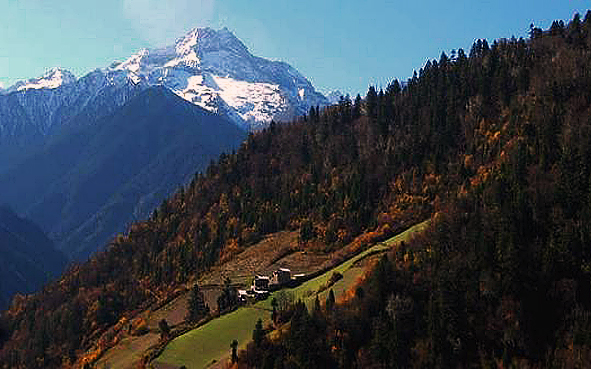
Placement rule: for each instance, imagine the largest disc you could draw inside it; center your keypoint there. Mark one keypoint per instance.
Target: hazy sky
(344, 45)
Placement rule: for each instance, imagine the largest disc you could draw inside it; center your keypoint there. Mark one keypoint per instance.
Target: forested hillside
(493, 144)
(502, 279)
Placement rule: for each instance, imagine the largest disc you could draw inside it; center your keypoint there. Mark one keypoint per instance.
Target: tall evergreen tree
(197, 309)
(258, 334)
(330, 300)
(234, 347)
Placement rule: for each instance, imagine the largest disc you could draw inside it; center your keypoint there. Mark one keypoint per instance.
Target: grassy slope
(200, 347)
(207, 344)
(129, 352)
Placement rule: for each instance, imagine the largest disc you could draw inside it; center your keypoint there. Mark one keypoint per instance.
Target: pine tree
(330, 301)
(258, 333)
(356, 111)
(196, 306)
(229, 296)
(317, 310)
(234, 347)
(307, 231)
(371, 102)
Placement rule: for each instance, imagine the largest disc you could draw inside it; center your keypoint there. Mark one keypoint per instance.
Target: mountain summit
(209, 68)
(53, 78)
(215, 70)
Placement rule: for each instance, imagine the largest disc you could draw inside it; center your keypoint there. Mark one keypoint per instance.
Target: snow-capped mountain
(33, 110)
(212, 69)
(53, 78)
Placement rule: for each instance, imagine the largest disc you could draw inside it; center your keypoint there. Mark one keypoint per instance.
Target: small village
(263, 285)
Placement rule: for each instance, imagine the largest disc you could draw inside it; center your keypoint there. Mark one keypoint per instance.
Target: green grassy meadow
(210, 343)
(201, 346)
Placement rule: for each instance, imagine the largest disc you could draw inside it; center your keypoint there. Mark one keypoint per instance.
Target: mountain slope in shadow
(89, 183)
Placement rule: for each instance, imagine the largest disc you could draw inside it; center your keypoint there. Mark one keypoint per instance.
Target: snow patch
(253, 101)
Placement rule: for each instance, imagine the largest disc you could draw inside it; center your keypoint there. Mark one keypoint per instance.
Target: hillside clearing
(205, 345)
(209, 343)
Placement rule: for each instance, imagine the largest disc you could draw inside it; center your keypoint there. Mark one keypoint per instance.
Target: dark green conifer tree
(258, 333)
(196, 306)
(330, 301)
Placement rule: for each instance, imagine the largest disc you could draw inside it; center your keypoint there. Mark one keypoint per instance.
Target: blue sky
(344, 45)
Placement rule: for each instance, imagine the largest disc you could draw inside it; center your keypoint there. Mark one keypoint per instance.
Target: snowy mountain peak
(210, 40)
(60, 75)
(214, 69)
(187, 53)
(209, 68)
(185, 45)
(53, 78)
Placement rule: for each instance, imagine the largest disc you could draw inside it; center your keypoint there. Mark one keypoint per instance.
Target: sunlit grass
(200, 347)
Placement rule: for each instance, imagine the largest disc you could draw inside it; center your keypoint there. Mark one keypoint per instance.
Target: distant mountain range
(28, 259)
(212, 69)
(40, 109)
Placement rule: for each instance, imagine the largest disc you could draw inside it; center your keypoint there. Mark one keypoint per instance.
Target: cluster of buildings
(263, 285)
